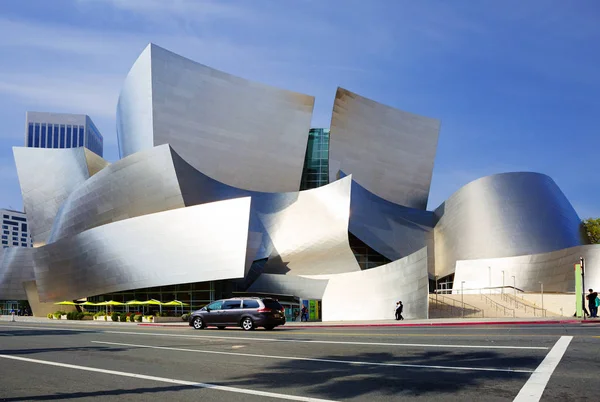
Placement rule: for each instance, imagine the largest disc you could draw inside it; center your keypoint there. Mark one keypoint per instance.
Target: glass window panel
(43, 138)
(62, 136)
(36, 140)
(55, 137)
(69, 134)
(81, 136)
(30, 135)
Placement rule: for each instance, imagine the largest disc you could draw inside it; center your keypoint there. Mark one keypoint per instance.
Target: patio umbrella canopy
(67, 303)
(176, 303)
(154, 302)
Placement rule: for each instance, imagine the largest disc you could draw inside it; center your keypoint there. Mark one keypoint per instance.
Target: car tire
(247, 324)
(197, 323)
(269, 327)
(221, 327)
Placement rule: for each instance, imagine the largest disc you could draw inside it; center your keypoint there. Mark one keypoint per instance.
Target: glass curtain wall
(316, 162)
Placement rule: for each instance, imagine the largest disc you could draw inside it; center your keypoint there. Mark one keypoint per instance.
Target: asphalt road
(41, 362)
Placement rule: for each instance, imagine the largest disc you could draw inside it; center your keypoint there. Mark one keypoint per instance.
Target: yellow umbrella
(154, 302)
(176, 303)
(88, 303)
(110, 303)
(67, 303)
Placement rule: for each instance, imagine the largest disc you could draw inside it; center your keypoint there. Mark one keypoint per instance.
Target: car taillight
(264, 310)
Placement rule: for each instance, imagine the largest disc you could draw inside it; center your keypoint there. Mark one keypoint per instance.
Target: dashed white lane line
(535, 386)
(255, 339)
(170, 380)
(350, 362)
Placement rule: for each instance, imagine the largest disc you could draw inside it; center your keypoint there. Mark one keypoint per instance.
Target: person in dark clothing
(399, 308)
(591, 297)
(304, 316)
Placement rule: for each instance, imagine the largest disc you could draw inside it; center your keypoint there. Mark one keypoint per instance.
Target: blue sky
(514, 83)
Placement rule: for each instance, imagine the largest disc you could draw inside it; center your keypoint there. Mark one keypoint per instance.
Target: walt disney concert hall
(224, 189)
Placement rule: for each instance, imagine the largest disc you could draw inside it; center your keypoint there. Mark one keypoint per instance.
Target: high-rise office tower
(62, 130)
(14, 229)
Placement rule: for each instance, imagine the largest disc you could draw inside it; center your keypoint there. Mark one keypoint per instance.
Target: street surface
(78, 361)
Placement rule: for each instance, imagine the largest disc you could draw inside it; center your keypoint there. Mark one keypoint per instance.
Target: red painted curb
(433, 324)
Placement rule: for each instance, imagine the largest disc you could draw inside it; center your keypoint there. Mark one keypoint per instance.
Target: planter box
(101, 318)
(88, 318)
(63, 317)
(144, 319)
(168, 319)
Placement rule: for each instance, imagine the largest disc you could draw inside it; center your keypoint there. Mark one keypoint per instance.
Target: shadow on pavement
(45, 332)
(340, 381)
(115, 392)
(66, 349)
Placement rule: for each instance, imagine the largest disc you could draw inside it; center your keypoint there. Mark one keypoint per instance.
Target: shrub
(150, 318)
(123, 317)
(88, 314)
(79, 315)
(114, 316)
(70, 316)
(138, 318)
(50, 316)
(57, 315)
(185, 317)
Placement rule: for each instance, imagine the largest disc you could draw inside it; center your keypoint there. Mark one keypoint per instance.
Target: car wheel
(269, 327)
(221, 327)
(247, 324)
(198, 323)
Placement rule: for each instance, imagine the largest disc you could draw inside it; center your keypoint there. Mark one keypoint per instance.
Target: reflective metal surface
(47, 177)
(16, 267)
(504, 215)
(304, 288)
(372, 294)
(140, 184)
(554, 270)
(390, 229)
(388, 151)
(244, 134)
(194, 244)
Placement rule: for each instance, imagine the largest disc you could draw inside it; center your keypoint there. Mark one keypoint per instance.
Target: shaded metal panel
(389, 152)
(137, 185)
(95, 163)
(134, 108)
(310, 236)
(16, 267)
(504, 215)
(194, 244)
(392, 230)
(554, 270)
(304, 288)
(244, 134)
(378, 289)
(47, 177)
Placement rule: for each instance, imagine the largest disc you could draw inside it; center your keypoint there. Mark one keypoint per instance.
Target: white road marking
(237, 339)
(169, 380)
(534, 387)
(350, 362)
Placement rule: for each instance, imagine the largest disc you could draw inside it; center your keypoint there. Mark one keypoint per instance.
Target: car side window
(231, 304)
(250, 304)
(215, 305)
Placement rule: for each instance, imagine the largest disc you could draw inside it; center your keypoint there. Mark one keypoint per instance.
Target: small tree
(592, 228)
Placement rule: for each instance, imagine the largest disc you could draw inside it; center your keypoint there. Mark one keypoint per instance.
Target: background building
(62, 130)
(15, 231)
(316, 162)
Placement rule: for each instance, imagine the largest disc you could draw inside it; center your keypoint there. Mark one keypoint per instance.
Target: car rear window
(250, 304)
(272, 304)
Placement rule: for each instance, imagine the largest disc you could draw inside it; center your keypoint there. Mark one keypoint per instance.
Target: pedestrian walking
(399, 308)
(304, 316)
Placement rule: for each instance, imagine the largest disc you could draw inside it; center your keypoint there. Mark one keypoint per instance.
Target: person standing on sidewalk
(592, 296)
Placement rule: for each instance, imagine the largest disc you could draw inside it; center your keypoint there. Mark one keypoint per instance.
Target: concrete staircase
(482, 306)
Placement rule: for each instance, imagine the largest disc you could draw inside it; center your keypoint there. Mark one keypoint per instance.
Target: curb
(432, 324)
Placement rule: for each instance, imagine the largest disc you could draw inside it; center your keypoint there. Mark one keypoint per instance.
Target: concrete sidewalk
(339, 324)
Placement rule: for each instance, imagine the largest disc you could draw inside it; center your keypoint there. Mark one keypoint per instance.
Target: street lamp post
(490, 279)
(462, 298)
(436, 287)
(502, 281)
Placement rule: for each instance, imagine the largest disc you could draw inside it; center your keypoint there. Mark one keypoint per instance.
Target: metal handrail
(453, 303)
(497, 306)
(514, 300)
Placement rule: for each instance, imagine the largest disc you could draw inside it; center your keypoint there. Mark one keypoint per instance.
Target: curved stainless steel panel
(47, 177)
(244, 134)
(152, 250)
(504, 215)
(16, 267)
(389, 152)
(137, 185)
(554, 270)
(379, 289)
(390, 229)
